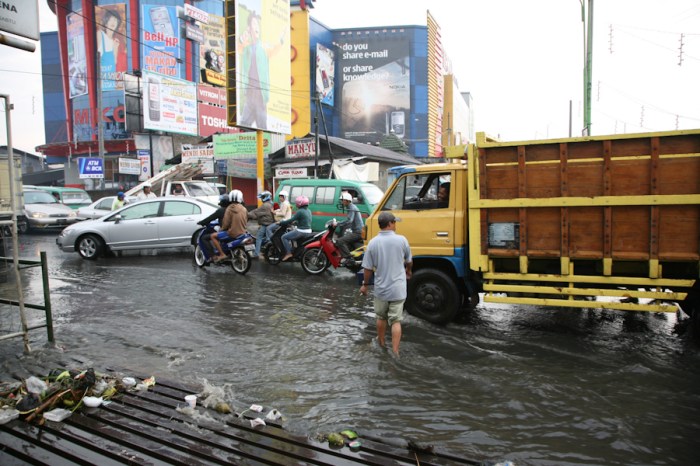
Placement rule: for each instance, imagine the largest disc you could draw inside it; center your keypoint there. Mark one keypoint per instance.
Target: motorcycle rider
(234, 223)
(265, 218)
(353, 222)
(303, 219)
(283, 213)
(217, 215)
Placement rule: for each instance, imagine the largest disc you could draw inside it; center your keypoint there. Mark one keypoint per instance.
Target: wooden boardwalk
(144, 427)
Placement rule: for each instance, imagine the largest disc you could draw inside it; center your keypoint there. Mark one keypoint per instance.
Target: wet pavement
(535, 386)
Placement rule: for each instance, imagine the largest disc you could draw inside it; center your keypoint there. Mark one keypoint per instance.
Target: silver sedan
(101, 207)
(151, 224)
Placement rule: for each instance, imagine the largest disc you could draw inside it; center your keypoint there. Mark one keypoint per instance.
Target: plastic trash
(256, 408)
(57, 415)
(257, 422)
(92, 401)
(7, 415)
(129, 382)
(36, 385)
(273, 415)
(355, 445)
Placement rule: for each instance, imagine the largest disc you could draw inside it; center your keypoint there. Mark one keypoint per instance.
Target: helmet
(345, 196)
(224, 200)
(120, 194)
(236, 196)
(284, 193)
(147, 185)
(301, 201)
(265, 196)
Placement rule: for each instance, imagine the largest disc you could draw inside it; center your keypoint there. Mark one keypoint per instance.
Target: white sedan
(101, 207)
(151, 224)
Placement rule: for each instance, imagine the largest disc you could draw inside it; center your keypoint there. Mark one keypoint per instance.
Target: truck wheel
(90, 247)
(432, 296)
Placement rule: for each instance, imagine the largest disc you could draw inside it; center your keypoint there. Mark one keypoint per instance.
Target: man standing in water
(388, 258)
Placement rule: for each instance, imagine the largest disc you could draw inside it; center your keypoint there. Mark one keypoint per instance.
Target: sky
(522, 62)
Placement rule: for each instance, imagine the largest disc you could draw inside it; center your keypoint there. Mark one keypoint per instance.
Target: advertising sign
(144, 156)
(325, 74)
(196, 14)
(20, 17)
(375, 94)
(239, 145)
(77, 66)
(129, 166)
(203, 155)
(212, 51)
(242, 168)
(291, 173)
(160, 39)
(194, 33)
(111, 45)
(90, 167)
(263, 84)
(300, 148)
(212, 111)
(113, 117)
(169, 104)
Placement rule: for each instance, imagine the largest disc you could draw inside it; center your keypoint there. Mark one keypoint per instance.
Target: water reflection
(535, 386)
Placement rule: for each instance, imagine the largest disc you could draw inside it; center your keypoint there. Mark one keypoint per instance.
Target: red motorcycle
(322, 253)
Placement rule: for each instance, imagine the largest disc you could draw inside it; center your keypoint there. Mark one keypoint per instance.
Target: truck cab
(436, 229)
(199, 189)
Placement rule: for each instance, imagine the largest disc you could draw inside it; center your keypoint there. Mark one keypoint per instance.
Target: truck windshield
(201, 189)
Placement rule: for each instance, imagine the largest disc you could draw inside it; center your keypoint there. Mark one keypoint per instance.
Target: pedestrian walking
(388, 258)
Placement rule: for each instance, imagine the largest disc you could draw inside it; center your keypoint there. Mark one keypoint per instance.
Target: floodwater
(544, 387)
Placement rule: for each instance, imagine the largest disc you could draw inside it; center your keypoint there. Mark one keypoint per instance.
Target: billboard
(111, 45)
(113, 117)
(239, 145)
(77, 65)
(375, 86)
(211, 107)
(262, 66)
(212, 51)
(160, 39)
(325, 74)
(169, 104)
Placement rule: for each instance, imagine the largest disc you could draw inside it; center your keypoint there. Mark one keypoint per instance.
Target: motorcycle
(322, 253)
(236, 249)
(274, 251)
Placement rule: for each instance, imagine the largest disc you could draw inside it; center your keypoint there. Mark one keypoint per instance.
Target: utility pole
(588, 68)
(316, 136)
(98, 115)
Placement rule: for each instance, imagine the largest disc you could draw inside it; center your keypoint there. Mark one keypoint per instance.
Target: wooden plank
(564, 211)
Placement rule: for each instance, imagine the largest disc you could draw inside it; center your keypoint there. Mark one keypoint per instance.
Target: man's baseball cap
(385, 218)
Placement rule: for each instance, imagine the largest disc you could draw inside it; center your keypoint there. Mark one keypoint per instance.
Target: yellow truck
(592, 222)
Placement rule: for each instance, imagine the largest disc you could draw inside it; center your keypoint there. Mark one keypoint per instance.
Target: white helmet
(236, 196)
(147, 185)
(345, 196)
(284, 193)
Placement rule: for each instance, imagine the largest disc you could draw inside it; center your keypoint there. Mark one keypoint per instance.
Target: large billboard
(262, 63)
(113, 117)
(111, 45)
(77, 65)
(169, 104)
(375, 83)
(160, 39)
(211, 107)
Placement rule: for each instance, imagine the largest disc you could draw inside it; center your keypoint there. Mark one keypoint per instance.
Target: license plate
(62, 222)
(249, 247)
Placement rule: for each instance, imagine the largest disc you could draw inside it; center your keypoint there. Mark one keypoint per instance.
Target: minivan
(324, 197)
(75, 198)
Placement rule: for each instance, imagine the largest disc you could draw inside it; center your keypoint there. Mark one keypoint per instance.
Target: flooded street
(561, 387)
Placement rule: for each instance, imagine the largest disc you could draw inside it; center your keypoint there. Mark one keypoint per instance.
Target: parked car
(151, 224)
(101, 207)
(42, 210)
(74, 198)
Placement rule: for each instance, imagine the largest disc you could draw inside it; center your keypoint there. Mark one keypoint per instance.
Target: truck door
(425, 204)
